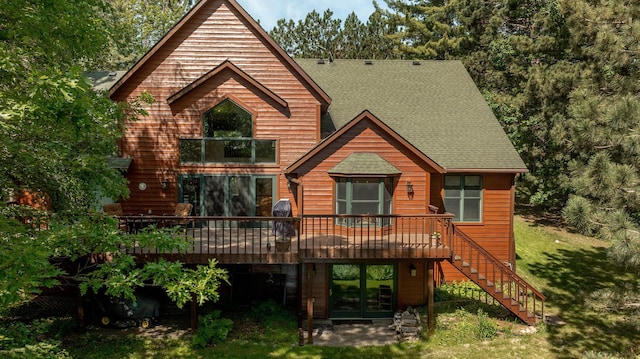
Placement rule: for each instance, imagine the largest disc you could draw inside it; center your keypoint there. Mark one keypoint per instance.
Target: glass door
(228, 196)
(344, 293)
(363, 290)
(380, 290)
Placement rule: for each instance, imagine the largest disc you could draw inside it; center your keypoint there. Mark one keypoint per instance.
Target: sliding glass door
(228, 196)
(362, 290)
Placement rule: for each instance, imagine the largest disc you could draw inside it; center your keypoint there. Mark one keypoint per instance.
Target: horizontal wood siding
(213, 35)
(494, 233)
(411, 290)
(319, 185)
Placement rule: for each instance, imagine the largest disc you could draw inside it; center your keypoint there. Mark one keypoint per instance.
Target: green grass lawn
(567, 268)
(570, 270)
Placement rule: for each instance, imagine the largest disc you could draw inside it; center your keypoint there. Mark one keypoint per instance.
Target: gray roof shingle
(435, 106)
(364, 164)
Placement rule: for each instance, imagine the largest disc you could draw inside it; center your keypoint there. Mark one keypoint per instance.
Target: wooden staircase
(495, 277)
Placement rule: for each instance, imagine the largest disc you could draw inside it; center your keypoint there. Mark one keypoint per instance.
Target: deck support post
(309, 303)
(194, 314)
(430, 295)
(299, 282)
(82, 324)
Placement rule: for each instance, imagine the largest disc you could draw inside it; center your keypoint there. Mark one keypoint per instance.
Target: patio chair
(182, 210)
(115, 209)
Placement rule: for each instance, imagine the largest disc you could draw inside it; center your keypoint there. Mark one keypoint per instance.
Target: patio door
(362, 290)
(228, 196)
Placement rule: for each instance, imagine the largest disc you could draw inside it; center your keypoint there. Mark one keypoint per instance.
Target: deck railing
(496, 278)
(326, 237)
(319, 237)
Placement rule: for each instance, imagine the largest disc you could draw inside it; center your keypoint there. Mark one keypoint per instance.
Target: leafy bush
(33, 340)
(266, 310)
(212, 329)
(486, 328)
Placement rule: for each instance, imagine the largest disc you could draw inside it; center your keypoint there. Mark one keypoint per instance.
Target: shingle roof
(364, 164)
(435, 106)
(103, 80)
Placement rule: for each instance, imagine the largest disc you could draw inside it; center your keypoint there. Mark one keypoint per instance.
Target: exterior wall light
(165, 184)
(409, 188)
(412, 270)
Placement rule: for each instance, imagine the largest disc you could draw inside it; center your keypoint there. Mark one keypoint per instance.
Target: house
(397, 174)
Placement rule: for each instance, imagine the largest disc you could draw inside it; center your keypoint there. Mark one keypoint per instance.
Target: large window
(463, 197)
(363, 196)
(228, 138)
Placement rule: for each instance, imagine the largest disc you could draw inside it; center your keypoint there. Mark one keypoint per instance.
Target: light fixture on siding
(165, 183)
(412, 270)
(409, 188)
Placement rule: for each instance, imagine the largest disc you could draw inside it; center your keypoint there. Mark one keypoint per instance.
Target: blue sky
(270, 11)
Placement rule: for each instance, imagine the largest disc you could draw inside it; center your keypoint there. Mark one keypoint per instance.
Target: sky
(270, 11)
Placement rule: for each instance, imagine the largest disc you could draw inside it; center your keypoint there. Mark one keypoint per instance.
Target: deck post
(299, 282)
(430, 296)
(82, 324)
(309, 303)
(194, 314)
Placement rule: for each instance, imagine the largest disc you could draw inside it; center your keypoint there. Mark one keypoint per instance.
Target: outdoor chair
(115, 209)
(182, 211)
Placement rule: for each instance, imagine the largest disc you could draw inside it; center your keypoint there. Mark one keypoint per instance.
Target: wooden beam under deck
(328, 255)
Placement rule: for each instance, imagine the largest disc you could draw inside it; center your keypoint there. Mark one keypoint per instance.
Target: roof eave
(364, 114)
(487, 170)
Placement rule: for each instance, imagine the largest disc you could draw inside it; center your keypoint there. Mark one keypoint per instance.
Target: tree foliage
(139, 24)
(56, 134)
(322, 36)
(91, 251)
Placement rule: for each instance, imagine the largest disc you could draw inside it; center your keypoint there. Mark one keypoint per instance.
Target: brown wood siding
(411, 290)
(319, 185)
(214, 35)
(494, 233)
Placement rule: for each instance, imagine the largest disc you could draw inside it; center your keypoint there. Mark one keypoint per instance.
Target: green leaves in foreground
(89, 250)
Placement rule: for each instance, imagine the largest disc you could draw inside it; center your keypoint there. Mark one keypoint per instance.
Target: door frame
(363, 311)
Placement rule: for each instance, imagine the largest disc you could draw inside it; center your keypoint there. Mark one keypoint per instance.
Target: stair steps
(489, 271)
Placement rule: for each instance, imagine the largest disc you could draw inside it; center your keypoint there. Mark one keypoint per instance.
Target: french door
(228, 196)
(362, 290)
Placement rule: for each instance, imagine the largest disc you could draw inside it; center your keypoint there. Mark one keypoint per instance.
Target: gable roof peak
(202, 5)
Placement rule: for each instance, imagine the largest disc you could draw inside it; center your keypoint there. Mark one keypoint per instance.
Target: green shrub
(32, 340)
(263, 311)
(486, 328)
(212, 329)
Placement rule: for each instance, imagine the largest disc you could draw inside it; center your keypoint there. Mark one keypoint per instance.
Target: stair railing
(495, 277)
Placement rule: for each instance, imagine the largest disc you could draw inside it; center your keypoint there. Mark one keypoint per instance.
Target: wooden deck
(327, 238)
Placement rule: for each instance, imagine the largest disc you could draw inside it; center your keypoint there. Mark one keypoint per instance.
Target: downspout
(512, 244)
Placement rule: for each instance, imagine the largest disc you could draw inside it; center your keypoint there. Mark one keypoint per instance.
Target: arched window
(228, 137)
(227, 120)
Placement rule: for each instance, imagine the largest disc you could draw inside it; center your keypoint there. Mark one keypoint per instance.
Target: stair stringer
(495, 278)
